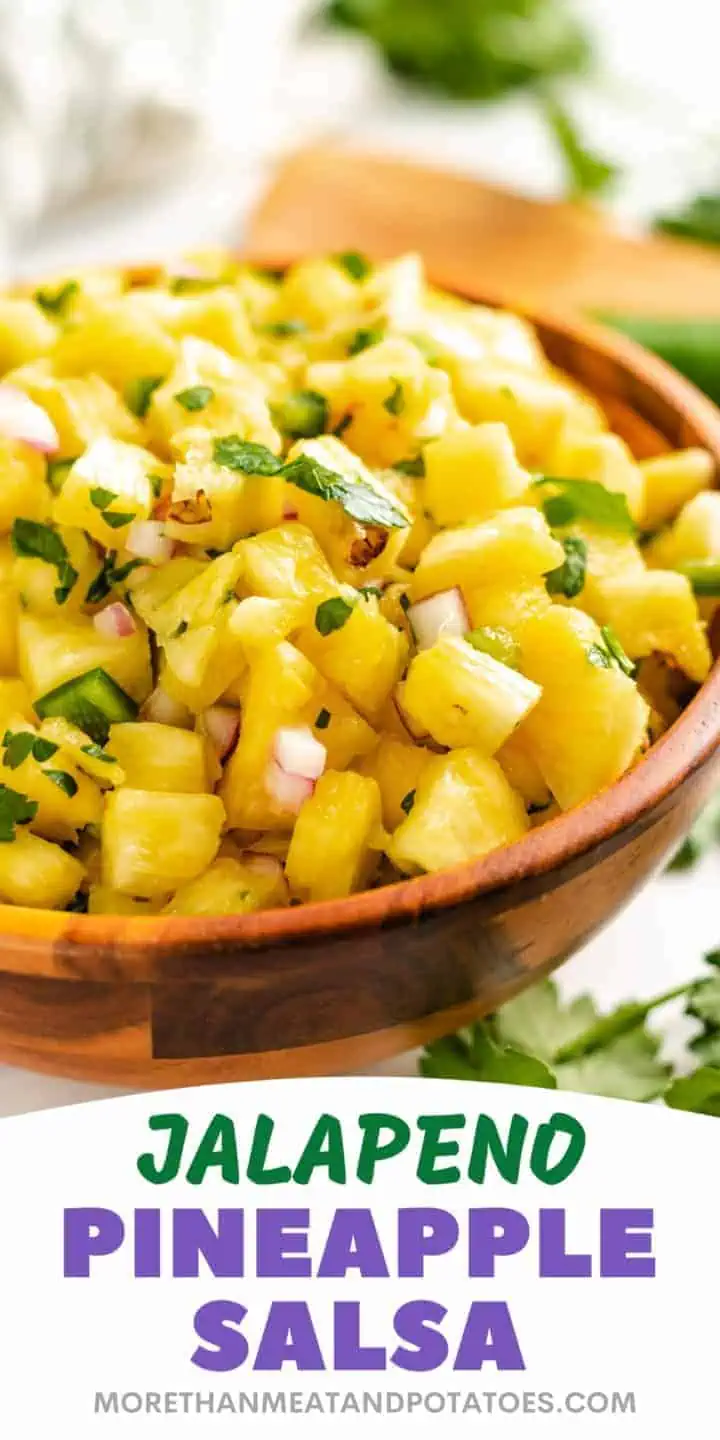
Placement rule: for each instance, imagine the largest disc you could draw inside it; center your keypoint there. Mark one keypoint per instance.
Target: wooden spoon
(477, 238)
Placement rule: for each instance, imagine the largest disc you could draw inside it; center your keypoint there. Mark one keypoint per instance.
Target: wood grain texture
(477, 237)
(341, 984)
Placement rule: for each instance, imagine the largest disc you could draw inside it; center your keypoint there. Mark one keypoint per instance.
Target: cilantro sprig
(573, 499)
(537, 1040)
(357, 498)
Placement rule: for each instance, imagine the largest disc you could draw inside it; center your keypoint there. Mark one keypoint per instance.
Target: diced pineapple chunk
(118, 339)
(672, 480)
(317, 292)
(213, 505)
(364, 658)
(605, 459)
(469, 474)
(610, 556)
(14, 702)
(356, 552)
(463, 808)
(54, 650)
(286, 563)
(390, 397)
(333, 847)
(25, 332)
(160, 757)
(523, 772)
(37, 873)
(283, 689)
(83, 408)
(154, 587)
(36, 581)
(67, 800)
(463, 697)
(345, 734)
(656, 610)
(153, 842)
(23, 490)
(106, 489)
(232, 887)
(515, 545)
(397, 766)
(695, 534)
(200, 599)
(591, 720)
(536, 408)
(218, 316)
(507, 607)
(9, 611)
(233, 399)
(259, 621)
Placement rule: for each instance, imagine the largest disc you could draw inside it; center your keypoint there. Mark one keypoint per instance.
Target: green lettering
(177, 1125)
(217, 1150)
(323, 1151)
(558, 1124)
(434, 1147)
(372, 1149)
(488, 1145)
(257, 1173)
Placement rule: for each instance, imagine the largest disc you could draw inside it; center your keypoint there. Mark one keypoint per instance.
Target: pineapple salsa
(310, 582)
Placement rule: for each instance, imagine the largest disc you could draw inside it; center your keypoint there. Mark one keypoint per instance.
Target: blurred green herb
(483, 50)
(471, 49)
(699, 220)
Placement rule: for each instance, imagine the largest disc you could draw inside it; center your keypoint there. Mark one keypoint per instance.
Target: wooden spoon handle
(478, 238)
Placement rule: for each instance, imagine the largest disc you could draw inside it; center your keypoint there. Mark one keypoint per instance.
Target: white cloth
(101, 95)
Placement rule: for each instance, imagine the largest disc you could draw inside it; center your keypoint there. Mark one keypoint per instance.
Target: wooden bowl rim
(685, 746)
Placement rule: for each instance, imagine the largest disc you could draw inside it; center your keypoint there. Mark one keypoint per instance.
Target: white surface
(659, 112)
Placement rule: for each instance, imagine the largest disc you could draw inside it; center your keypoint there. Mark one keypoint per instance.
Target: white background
(655, 105)
(61, 1340)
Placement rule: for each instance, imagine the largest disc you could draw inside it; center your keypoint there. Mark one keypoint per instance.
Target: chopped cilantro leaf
(64, 782)
(117, 518)
(101, 498)
(302, 414)
(41, 542)
(395, 403)
(568, 579)
(56, 302)
(585, 500)
(332, 614)
(196, 397)
(245, 456)
(15, 809)
(357, 498)
(283, 329)
(322, 720)
(407, 802)
(139, 393)
(96, 752)
(414, 466)
(365, 339)
(357, 266)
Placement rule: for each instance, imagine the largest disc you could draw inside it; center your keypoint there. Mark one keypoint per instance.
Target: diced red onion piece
(147, 540)
(433, 422)
(163, 710)
(115, 621)
(289, 512)
(288, 791)
(441, 614)
(22, 419)
(221, 724)
(261, 864)
(297, 752)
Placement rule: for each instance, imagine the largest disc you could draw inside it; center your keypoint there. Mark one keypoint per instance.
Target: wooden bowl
(338, 985)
